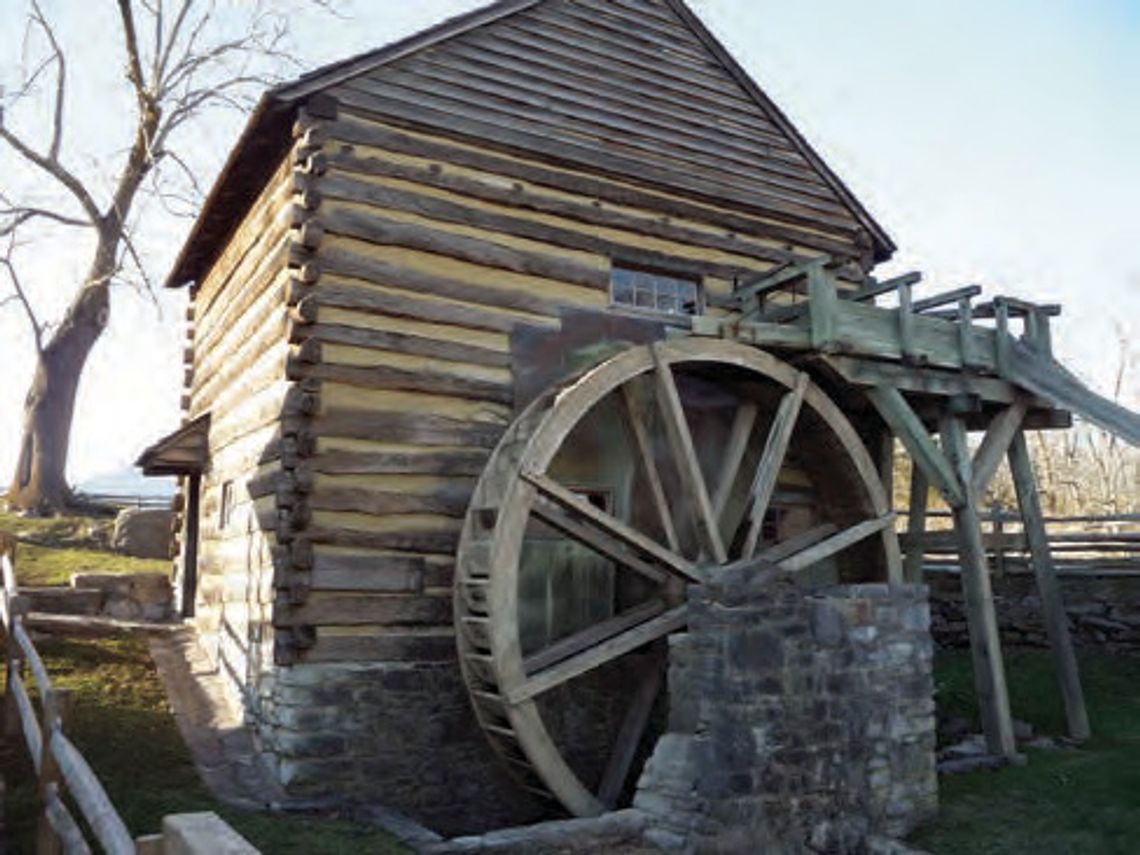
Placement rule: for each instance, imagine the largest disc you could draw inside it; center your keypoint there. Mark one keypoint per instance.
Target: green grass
(55, 531)
(1068, 801)
(122, 725)
(43, 565)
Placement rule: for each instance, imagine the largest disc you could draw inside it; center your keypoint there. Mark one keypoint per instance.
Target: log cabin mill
(501, 338)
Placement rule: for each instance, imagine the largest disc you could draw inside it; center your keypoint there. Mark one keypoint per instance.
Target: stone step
(66, 601)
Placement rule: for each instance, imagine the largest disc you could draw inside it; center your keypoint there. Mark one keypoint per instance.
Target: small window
(655, 291)
(226, 506)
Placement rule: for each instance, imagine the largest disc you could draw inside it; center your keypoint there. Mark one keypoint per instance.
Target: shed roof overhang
(183, 452)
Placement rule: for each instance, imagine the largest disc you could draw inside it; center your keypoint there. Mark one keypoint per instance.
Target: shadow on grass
(1065, 801)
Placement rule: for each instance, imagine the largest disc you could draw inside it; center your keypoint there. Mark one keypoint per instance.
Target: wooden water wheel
(605, 498)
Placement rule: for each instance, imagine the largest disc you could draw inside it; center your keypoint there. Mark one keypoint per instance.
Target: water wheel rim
(555, 416)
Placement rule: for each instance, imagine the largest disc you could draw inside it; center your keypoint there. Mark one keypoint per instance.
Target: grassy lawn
(1069, 801)
(126, 732)
(53, 548)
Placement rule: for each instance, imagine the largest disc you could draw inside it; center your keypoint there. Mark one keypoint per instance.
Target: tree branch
(21, 296)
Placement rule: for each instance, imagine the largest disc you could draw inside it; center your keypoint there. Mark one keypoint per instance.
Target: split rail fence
(1104, 545)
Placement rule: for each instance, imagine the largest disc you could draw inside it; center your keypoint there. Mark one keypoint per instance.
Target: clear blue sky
(997, 142)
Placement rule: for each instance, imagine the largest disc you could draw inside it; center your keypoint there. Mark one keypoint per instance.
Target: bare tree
(178, 65)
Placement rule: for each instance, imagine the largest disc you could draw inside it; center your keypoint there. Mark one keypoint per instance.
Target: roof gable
(637, 89)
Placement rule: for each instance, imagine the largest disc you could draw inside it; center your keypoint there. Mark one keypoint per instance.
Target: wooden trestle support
(914, 371)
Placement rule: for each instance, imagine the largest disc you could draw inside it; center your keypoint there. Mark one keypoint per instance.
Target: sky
(995, 141)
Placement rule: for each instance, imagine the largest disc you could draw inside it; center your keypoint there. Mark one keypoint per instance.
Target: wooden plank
(635, 420)
(597, 540)
(632, 730)
(448, 500)
(907, 426)
(406, 343)
(875, 288)
(1052, 605)
(954, 296)
(92, 799)
(738, 436)
(985, 643)
(593, 635)
(612, 526)
(916, 524)
(405, 427)
(797, 543)
(835, 543)
(995, 443)
(772, 460)
(930, 381)
(596, 656)
(822, 308)
(400, 379)
(685, 457)
(344, 462)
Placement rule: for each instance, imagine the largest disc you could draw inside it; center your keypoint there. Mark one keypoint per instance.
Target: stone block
(143, 533)
(202, 834)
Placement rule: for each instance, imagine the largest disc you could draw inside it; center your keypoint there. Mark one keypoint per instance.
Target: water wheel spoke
(636, 417)
(772, 460)
(632, 729)
(835, 543)
(685, 455)
(742, 424)
(596, 539)
(575, 643)
(611, 525)
(598, 654)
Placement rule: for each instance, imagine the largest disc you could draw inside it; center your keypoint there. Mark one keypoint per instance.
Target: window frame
(675, 275)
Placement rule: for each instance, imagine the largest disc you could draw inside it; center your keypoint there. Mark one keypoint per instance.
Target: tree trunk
(39, 484)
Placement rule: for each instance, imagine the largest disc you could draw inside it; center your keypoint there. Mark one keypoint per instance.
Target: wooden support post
(1056, 621)
(190, 556)
(14, 664)
(906, 324)
(985, 644)
(916, 524)
(965, 332)
(1001, 337)
(822, 307)
(998, 527)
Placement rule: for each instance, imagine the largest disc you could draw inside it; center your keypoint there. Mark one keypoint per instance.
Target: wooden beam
(772, 460)
(685, 455)
(636, 417)
(916, 524)
(836, 543)
(924, 452)
(905, 313)
(985, 643)
(600, 654)
(742, 424)
(989, 455)
(1056, 621)
(877, 289)
(935, 300)
(822, 308)
(593, 635)
(632, 730)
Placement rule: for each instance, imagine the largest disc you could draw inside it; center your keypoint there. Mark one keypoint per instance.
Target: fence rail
(58, 763)
(1107, 544)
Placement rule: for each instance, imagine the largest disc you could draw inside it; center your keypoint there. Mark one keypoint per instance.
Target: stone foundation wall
(797, 722)
(401, 735)
(1104, 611)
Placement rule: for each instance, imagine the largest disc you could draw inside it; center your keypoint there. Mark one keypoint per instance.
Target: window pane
(622, 286)
(657, 292)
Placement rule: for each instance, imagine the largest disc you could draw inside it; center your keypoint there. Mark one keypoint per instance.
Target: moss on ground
(1066, 801)
(124, 728)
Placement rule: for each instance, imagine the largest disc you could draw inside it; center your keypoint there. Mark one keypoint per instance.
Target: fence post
(13, 664)
(57, 705)
(999, 539)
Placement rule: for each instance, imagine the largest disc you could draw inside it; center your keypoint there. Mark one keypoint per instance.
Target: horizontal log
(383, 231)
(427, 542)
(449, 500)
(386, 377)
(369, 571)
(407, 343)
(586, 186)
(357, 609)
(340, 462)
(406, 427)
(438, 646)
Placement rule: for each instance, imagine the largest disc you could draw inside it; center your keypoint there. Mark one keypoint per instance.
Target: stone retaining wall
(1104, 610)
(797, 723)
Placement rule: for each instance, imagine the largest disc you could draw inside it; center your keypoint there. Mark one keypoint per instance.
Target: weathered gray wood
(772, 460)
(1002, 339)
(989, 455)
(635, 419)
(599, 654)
(92, 799)
(591, 636)
(685, 457)
(612, 526)
(877, 289)
(450, 500)
(822, 308)
(632, 730)
(954, 296)
(341, 462)
(835, 543)
(906, 325)
(406, 427)
(1056, 621)
(741, 431)
(416, 345)
(64, 825)
(387, 377)
(906, 425)
(985, 643)
(916, 524)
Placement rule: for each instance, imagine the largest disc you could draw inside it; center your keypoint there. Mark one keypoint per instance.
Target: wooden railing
(1079, 545)
(58, 764)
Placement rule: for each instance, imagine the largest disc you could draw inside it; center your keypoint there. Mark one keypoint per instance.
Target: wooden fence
(1107, 545)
